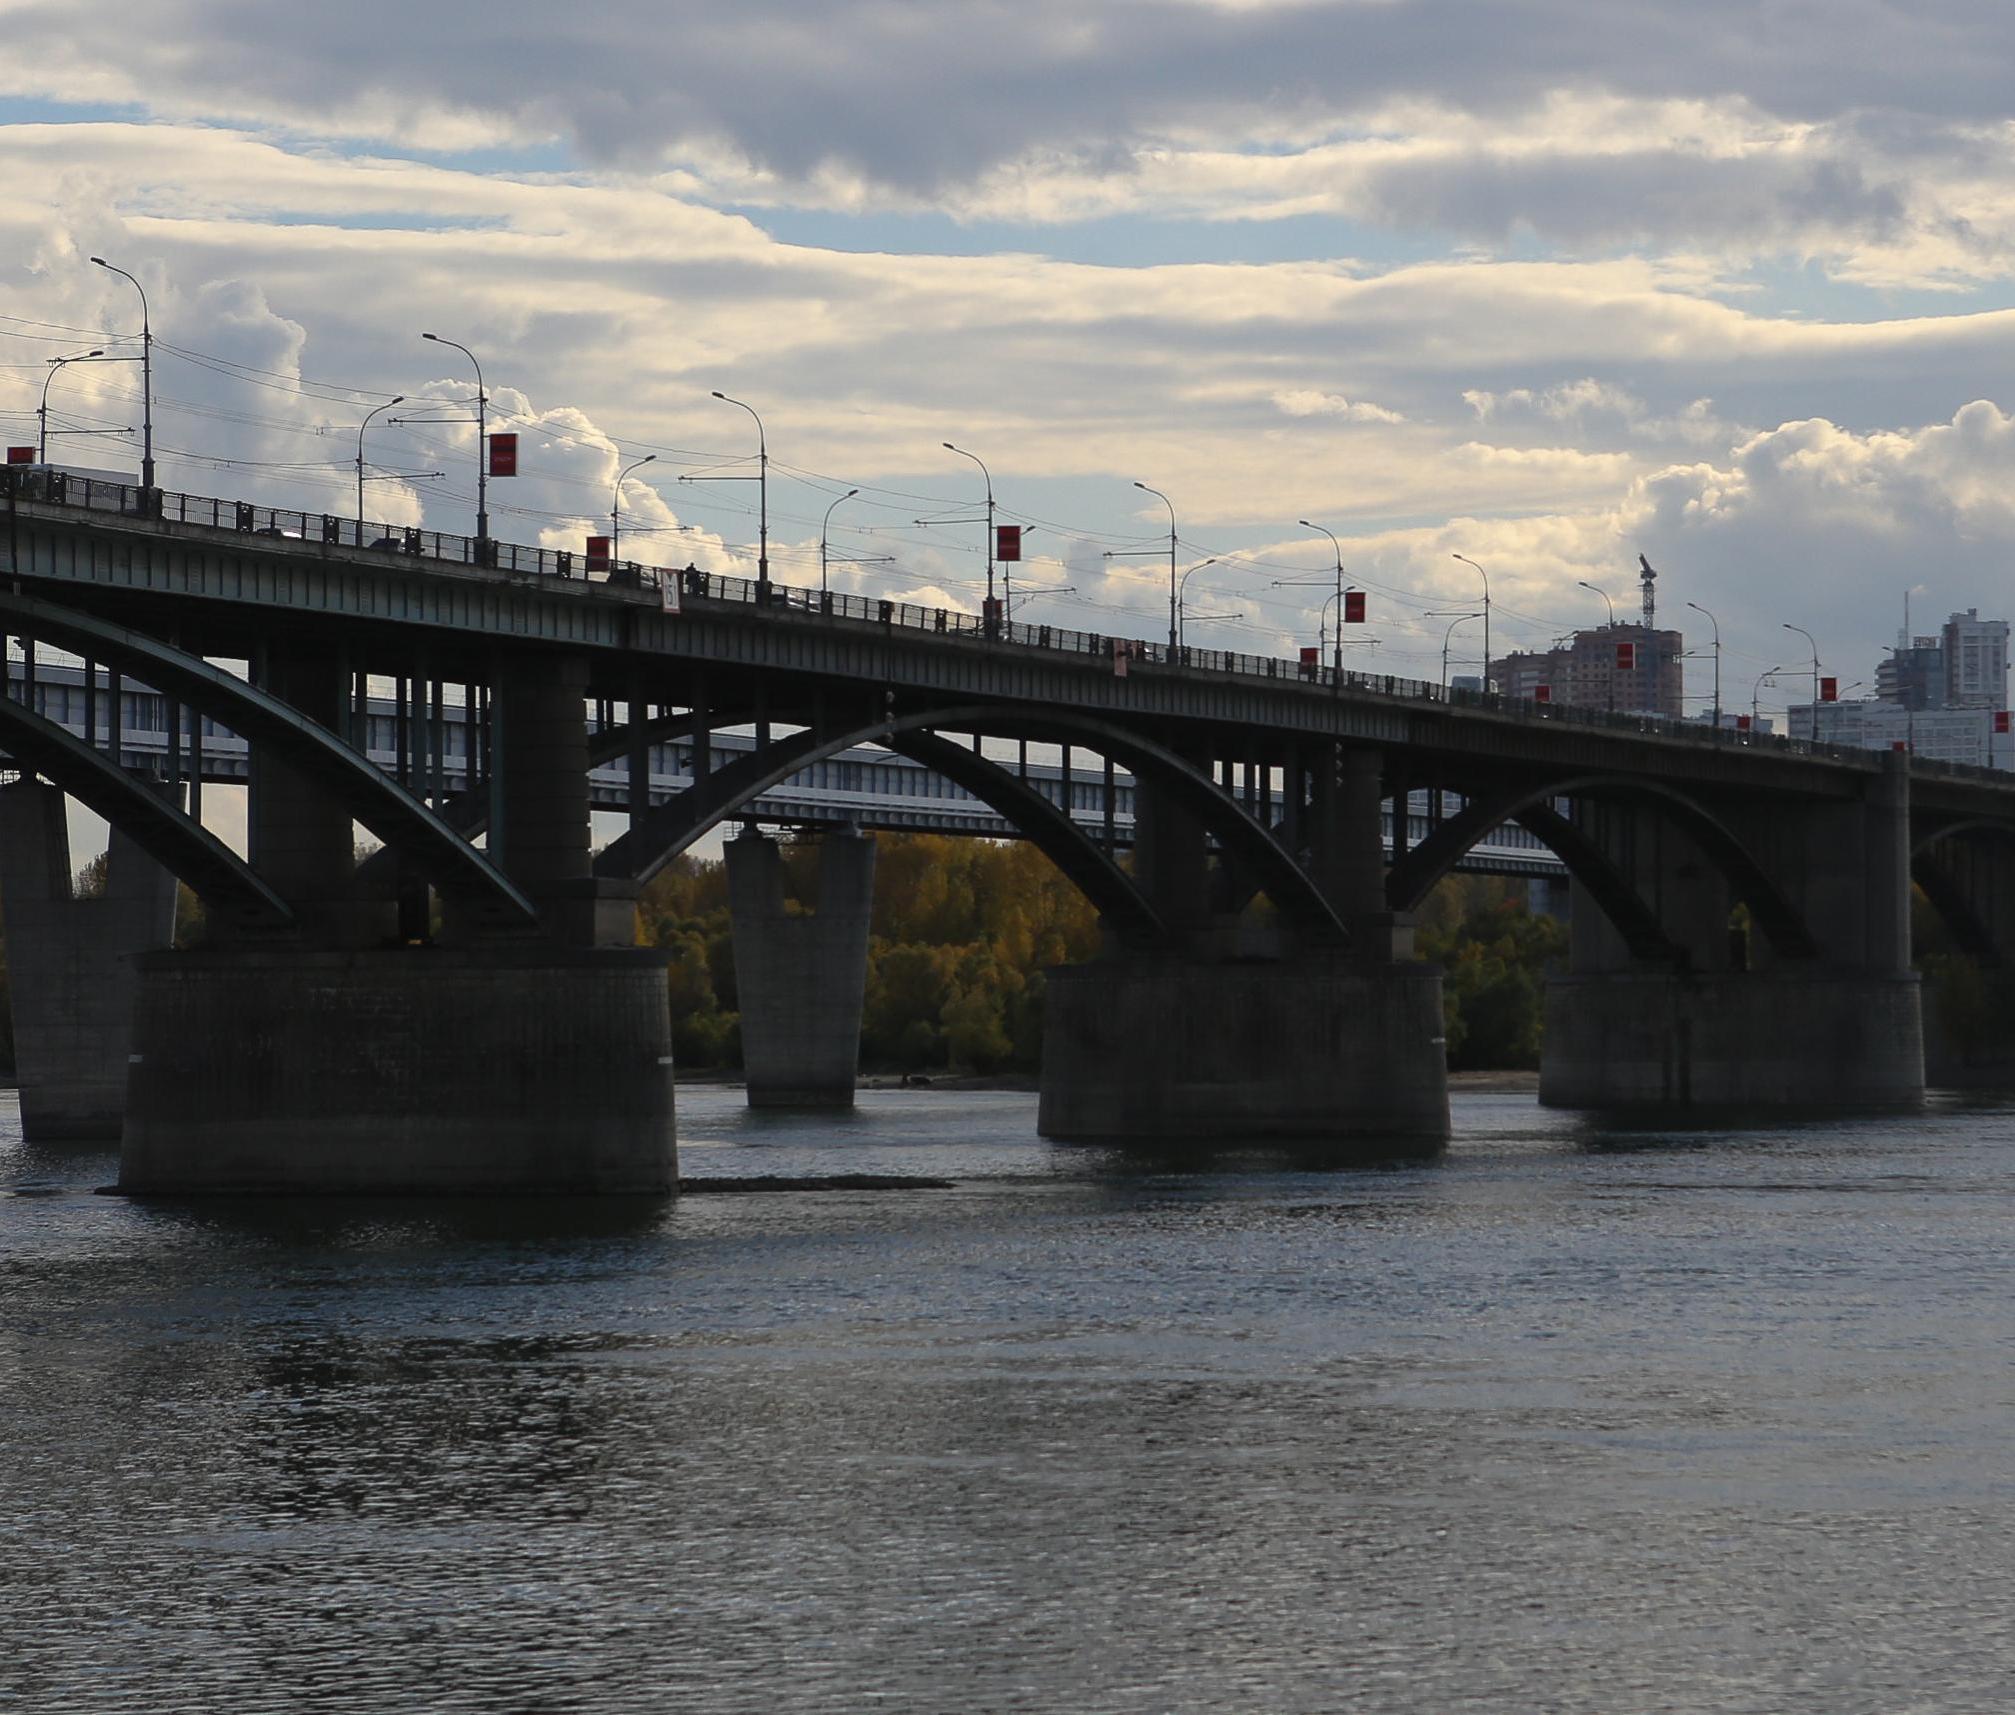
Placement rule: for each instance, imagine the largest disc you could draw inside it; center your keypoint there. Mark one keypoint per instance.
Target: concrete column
(1347, 848)
(541, 792)
(299, 836)
(70, 965)
(802, 979)
(1169, 858)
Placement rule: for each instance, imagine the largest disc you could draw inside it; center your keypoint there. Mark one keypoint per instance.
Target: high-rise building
(1939, 735)
(1976, 661)
(1912, 675)
(1632, 669)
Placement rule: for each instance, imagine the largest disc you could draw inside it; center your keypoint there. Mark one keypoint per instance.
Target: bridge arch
(381, 804)
(673, 826)
(1410, 879)
(180, 844)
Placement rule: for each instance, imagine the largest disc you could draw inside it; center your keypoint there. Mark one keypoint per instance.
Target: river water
(1561, 1421)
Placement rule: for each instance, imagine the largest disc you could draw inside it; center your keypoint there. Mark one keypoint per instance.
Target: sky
(1545, 283)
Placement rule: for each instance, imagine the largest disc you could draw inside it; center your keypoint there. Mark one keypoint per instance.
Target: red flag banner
(1311, 658)
(1742, 723)
(1829, 690)
(1626, 657)
(503, 455)
(1353, 607)
(2001, 720)
(598, 553)
(1008, 543)
(1542, 693)
(20, 455)
(1898, 744)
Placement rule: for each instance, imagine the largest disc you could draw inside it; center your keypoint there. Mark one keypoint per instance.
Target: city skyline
(1517, 303)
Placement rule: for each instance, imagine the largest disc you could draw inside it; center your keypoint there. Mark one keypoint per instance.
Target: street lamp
(1711, 620)
(989, 476)
(482, 443)
(1182, 596)
(361, 427)
(146, 375)
(762, 495)
(1606, 602)
(1446, 635)
(42, 413)
(1485, 576)
(1802, 632)
(1337, 547)
(1756, 694)
(1174, 615)
(616, 508)
(823, 528)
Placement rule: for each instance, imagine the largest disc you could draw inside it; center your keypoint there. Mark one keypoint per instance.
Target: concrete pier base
(1748, 1042)
(70, 965)
(507, 1070)
(801, 979)
(1180, 1050)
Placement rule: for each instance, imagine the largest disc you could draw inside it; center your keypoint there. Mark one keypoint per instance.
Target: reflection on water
(1561, 1420)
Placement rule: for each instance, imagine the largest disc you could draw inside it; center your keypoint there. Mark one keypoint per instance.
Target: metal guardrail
(58, 488)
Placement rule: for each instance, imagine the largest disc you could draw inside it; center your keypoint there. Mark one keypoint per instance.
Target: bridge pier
(801, 979)
(71, 964)
(1241, 1031)
(505, 1060)
(1714, 1020)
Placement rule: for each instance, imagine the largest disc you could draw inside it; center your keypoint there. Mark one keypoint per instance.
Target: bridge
(867, 788)
(1740, 905)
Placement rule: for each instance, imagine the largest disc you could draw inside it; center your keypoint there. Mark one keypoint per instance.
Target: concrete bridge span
(1740, 909)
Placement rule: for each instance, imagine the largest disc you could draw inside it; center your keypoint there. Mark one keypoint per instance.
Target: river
(1564, 1420)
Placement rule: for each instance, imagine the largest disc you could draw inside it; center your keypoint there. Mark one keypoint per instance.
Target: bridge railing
(57, 487)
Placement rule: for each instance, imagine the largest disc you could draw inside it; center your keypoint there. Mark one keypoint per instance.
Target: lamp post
(762, 495)
(1583, 583)
(42, 413)
(616, 508)
(823, 528)
(361, 427)
(1445, 636)
(1485, 576)
(1182, 597)
(1756, 695)
(482, 441)
(1174, 615)
(1802, 632)
(1711, 620)
(146, 375)
(1337, 548)
(989, 476)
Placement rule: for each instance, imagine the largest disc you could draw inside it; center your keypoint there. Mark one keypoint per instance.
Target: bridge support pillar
(70, 965)
(496, 1070)
(1740, 1024)
(1314, 1049)
(299, 835)
(801, 979)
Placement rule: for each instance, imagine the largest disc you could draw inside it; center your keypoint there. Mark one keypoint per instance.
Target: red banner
(503, 455)
(20, 455)
(2000, 720)
(1008, 545)
(1311, 658)
(1742, 723)
(1353, 607)
(1829, 690)
(598, 553)
(1542, 693)
(1626, 657)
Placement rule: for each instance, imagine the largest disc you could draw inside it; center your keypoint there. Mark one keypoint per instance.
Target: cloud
(1310, 402)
